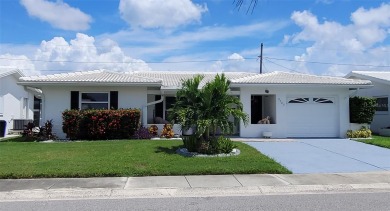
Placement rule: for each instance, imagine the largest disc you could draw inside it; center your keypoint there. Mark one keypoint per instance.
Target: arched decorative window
(322, 100)
(299, 100)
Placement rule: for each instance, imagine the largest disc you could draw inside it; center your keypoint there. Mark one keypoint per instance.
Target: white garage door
(312, 117)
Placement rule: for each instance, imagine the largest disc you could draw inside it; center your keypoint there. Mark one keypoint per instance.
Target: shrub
(361, 133)
(32, 133)
(153, 129)
(215, 145)
(225, 145)
(143, 133)
(100, 124)
(361, 109)
(191, 143)
(167, 131)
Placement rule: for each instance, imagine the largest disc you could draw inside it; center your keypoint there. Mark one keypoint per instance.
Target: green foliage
(207, 109)
(100, 124)
(361, 109)
(190, 143)
(225, 145)
(215, 145)
(361, 133)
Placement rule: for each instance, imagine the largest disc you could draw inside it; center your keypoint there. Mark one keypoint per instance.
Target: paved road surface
(344, 201)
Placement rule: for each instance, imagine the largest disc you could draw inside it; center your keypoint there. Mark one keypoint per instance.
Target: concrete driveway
(325, 155)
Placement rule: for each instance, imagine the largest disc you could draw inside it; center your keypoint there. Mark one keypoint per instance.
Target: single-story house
(298, 105)
(16, 101)
(380, 91)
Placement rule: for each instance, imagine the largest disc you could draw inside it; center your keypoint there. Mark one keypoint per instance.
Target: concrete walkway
(190, 186)
(324, 155)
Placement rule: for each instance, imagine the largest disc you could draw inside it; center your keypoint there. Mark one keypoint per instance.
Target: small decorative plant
(153, 129)
(143, 133)
(167, 131)
(361, 133)
(32, 133)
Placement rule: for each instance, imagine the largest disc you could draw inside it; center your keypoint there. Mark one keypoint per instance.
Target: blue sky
(324, 37)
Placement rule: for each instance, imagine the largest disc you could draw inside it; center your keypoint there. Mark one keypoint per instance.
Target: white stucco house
(16, 101)
(380, 91)
(299, 105)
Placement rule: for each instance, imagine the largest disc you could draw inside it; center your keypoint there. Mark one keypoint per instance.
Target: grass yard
(380, 141)
(122, 158)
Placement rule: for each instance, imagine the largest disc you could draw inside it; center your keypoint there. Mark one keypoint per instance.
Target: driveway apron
(326, 155)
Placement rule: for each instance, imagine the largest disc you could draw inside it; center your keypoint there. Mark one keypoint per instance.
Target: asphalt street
(335, 201)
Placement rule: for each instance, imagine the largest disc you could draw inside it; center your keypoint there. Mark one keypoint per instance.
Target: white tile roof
(96, 76)
(173, 80)
(6, 71)
(297, 78)
(383, 76)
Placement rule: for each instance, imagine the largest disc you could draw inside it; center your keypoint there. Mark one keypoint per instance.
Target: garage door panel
(312, 119)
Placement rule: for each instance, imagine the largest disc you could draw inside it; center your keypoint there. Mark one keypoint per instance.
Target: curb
(109, 193)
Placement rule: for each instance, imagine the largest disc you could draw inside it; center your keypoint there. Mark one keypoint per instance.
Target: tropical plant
(208, 108)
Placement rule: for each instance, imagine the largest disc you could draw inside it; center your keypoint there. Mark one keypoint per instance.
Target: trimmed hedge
(100, 124)
(361, 109)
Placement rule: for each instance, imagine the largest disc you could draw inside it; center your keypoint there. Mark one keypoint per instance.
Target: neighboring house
(299, 105)
(16, 101)
(380, 91)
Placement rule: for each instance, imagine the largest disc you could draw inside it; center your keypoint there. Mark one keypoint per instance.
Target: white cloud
(21, 62)
(58, 14)
(373, 16)
(160, 13)
(236, 57)
(333, 42)
(82, 53)
(79, 54)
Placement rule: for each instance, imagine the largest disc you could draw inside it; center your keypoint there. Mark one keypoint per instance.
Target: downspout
(145, 110)
(42, 109)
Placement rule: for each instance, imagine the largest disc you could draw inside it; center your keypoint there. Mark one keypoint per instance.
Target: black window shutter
(74, 100)
(114, 99)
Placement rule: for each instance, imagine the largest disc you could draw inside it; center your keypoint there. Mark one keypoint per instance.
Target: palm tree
(184, 111)
(252, 4)
(208, 108)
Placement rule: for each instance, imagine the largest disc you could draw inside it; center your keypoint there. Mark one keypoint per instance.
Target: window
(382, 104)
(299, 100)
(322, 100)
(263, 106)
(94, 101)
(37, 111)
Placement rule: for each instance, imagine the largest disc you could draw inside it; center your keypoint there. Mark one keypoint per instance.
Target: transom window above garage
(299, 100)
(322, 100)
(310, 100)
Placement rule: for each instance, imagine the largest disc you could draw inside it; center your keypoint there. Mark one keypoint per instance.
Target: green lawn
(378, 141)
(122, 158)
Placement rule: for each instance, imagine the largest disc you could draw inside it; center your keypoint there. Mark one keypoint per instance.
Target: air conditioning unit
(20, 123)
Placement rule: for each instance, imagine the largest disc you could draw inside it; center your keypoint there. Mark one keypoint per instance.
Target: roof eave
(367, 77)
(301, 85)
(86, 83)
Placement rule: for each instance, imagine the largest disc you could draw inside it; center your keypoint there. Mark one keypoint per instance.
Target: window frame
(81, 102)
(382, 112)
